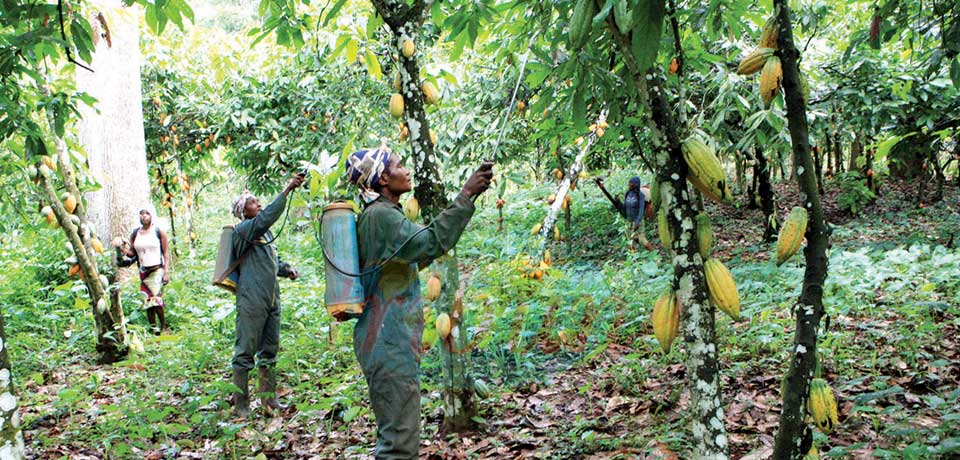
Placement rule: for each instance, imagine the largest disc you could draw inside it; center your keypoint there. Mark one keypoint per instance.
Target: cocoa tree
(689, 283)
(405, 20)
(794, 436)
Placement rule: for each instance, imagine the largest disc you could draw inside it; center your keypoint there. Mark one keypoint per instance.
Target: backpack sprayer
(226, 271)
(343, 295)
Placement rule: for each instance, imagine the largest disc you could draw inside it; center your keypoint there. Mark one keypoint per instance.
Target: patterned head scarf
(364, 168)
(240, 203)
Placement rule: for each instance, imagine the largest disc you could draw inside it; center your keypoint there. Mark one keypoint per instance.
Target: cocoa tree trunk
(11, 437)
(109, 322)
(405, 20)
(108, 316)
(569, 179)
(856, 149)
(708, 424)
(767, 204)
(837, 152)
(819, 168)
(794, 437)
(828, 154)
(938, 174)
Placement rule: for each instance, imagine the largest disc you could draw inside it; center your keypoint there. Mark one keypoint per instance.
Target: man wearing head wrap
(633, 207)
(258, 296)
(149, 248)
(388, 336)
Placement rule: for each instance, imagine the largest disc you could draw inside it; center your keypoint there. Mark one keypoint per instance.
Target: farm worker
(258, 296)
(388, 335)
(149, 248)
(635, 204)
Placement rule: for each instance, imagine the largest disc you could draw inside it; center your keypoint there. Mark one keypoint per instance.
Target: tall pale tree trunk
(112, 132)
(11, 438)
(112, 136)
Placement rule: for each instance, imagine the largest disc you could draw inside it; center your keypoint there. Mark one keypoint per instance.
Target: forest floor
(892, 356)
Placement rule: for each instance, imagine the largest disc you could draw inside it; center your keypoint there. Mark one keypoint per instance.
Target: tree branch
(63, 34)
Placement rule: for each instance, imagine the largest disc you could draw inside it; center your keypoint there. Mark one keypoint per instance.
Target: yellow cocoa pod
(404, 132)
(49, 162)
(433, 137)
(536, 229)
(408, 48)
(430, 93)
(770, 79)
(556, 233)
(705, 171)
(723, 290)
(69, 202)
(822, 406)
(768, 38)
(96, 245)
(704, 235)
(551, 198)
(47, 213)
(547, 258)
(663, 229)
(812, 454)
(433, 287)
(557, 173)
(666, 319)
(411, 209)
(443, 325)
(566, 202)
(396, 82)
(791, 234)
(600, 132)
(754, 61)
(396, 105)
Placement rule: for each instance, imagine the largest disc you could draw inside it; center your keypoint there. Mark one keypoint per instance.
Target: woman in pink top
(148, 247)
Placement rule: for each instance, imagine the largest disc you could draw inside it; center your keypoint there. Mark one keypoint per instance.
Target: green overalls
(388, 336)
(258, 290)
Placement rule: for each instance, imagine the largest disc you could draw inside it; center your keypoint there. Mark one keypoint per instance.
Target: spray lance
(503, 129)
(226, 273)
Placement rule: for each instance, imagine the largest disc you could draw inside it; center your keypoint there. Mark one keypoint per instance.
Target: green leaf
(646, 34)
(353, 49)
(373, 23)
(373, 65)
(955, 72)
(333, 12)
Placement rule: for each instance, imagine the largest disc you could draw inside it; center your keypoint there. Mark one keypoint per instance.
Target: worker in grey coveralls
(388, 336)
(258, 296)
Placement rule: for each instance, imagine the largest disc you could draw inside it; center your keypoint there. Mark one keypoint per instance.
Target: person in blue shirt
(633, 207)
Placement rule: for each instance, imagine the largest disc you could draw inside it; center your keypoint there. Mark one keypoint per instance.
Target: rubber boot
(268, 390)
(241, 399)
